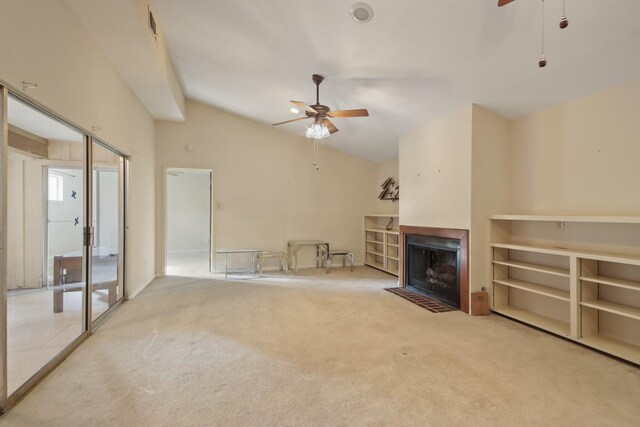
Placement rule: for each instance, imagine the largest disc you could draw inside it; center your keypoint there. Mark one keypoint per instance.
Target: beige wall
(384, 170)
(580, 157)
(435, 173)
(265, 188)
(43, 42)
(489, 183)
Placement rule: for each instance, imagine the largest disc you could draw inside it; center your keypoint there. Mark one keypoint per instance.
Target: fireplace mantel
(451, 233)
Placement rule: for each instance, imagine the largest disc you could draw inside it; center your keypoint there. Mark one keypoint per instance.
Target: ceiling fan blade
(349, 113)
(332, 128)
(304, 106)
(289, 121)
(503, 2)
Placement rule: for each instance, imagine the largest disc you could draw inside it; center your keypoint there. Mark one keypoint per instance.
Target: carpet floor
(322, 350)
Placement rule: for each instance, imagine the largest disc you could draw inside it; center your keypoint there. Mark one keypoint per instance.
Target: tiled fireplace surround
(450, 233)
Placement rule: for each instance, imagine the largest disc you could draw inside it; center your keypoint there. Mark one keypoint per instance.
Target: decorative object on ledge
(390, 190)
(390, 224)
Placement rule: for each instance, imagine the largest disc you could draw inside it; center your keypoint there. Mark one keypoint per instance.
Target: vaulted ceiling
(416, 60)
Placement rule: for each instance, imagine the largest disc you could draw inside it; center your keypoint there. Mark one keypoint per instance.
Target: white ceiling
(416, 60)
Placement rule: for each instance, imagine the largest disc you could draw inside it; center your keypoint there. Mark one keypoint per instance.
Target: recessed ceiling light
(294, 110)
(361, 12)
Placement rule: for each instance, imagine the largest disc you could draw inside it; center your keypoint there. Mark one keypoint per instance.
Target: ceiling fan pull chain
(543, 61)
(564, 22)
(315, 153)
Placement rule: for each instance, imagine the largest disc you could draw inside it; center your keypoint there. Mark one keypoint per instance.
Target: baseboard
(301, 267)
(136, 293)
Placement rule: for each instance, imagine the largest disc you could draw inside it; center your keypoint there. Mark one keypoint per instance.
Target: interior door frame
(46, 167)
(6, 400)
(165, 211)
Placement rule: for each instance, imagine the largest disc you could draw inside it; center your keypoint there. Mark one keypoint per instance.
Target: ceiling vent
(361, 12)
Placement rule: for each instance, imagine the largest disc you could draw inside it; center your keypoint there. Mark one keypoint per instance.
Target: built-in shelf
(617, 347)
(580, 253)
(382, 215)
(386, 257)
(378, 265)
(381, 230)
(611, 281)
(615, 308)
(535, 267)
(535, 319)
(570, 218)
(535, 288)
(592, 315)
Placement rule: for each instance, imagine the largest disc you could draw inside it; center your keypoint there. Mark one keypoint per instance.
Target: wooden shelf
(597, 256)
(619, 348)
(535, 288)
(532, 318)
(587, 324)
(562, 272)
(535, 249)
(381, 230)
(570, 218)
(612, 307)
(612, 281)
(376, 233)
(377, 265)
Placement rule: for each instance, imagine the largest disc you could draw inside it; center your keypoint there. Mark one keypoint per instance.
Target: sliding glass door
(108, 231)
(46, 280)
(62, 241)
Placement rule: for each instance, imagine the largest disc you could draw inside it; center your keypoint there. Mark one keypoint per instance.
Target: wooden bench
(67, 277)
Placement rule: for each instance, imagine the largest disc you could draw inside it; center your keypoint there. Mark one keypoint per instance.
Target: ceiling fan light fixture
(317, 131)
(361, 12)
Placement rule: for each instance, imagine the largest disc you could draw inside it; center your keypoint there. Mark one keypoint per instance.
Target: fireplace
(434, 261)
(433, 267)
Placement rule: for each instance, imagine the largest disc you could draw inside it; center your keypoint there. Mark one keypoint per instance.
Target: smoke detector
(361, 12)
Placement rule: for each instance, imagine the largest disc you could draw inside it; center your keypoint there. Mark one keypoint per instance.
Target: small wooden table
(293, 246)
(246, 270)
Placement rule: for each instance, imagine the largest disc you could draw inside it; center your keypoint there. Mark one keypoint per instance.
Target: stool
(345, 254)
(268, 254)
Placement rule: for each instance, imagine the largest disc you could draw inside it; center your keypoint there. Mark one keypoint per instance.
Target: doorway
(188, 222)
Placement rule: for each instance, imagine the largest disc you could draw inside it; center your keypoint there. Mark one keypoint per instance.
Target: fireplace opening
(433, 267)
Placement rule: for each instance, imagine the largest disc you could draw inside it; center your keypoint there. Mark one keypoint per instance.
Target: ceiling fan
(322, 127)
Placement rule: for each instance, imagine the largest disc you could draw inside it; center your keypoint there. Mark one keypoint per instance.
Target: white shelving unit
(583, 294)
(381, 246)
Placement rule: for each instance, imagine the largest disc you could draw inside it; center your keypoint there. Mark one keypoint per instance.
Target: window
(56, 188)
